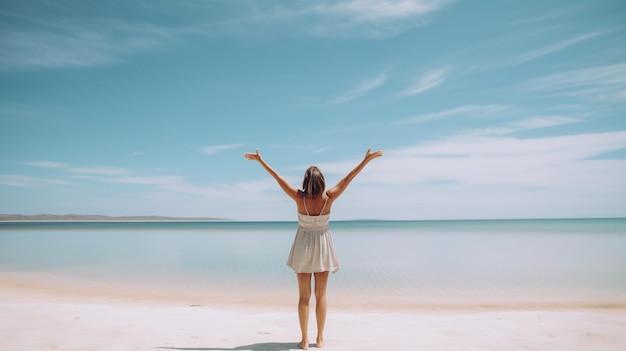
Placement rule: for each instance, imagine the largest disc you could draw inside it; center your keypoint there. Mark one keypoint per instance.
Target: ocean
(383, 263)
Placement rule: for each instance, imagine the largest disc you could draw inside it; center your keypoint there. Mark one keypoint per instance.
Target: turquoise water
(403, 260)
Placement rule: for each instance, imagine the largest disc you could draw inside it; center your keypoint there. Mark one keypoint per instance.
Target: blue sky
(485, 109)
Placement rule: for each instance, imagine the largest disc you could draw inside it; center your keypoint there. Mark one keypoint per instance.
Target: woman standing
(313, 252)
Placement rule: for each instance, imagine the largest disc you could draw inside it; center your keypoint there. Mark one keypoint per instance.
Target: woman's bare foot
(320, 342)
(304, 344)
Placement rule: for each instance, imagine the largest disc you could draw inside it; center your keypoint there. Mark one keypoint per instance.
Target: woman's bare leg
(321, 281)
(304, 286)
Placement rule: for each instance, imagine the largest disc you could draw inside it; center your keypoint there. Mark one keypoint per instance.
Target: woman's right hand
(372, 155)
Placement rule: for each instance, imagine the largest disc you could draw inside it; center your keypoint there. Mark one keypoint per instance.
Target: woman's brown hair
(313, 184)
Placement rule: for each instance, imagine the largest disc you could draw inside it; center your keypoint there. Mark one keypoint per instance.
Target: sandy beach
(42, 316)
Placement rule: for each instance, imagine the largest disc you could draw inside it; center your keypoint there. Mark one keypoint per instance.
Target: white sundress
(313, 250)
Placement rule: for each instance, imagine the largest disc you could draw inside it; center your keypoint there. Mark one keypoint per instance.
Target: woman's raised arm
(289, 189)
(343, 184)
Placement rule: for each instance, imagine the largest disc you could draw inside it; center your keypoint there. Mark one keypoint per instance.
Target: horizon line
(75, 218)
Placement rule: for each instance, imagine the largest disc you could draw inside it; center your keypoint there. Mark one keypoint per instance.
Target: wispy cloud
(551, 15)
(217, 148)
(536, 122)
(51, 36)
(144, 180)
(351, 18)
(602, 83)
(361, 89)
(427, 81)
(97, 170)
(551, 162)
(546, 50)
(385, 10)
(23, 181)
(316, 149)
(48, 164)
(152, 180)
(66, 43)
(106, 174)
(545, 122)
(593, 76)
(463, 110)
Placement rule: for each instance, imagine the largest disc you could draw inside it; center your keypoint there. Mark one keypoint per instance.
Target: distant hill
(98, 218)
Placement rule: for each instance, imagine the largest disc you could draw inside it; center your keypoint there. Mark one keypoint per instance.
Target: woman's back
(314, 206)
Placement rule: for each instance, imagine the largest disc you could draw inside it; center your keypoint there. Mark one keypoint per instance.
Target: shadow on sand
(265, 346)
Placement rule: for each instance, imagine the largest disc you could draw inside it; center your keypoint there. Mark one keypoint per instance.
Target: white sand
(54, 326)
(40, 317)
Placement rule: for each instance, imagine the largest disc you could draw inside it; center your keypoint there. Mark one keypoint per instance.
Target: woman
(313, 252)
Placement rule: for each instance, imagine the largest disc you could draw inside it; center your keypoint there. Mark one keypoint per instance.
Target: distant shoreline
(99, 218)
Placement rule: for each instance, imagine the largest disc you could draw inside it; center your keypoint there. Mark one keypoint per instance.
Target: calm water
(381, 260)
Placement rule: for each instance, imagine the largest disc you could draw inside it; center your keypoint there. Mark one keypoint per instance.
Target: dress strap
(323, 208)
(306, 209)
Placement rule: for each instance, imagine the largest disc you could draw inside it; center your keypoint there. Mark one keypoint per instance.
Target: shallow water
(392, 261)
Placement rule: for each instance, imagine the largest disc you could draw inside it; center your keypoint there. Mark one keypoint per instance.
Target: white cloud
(381, 10)
(468, 160)
(65, 42)
(352, 18)
(97, 170)
(596, 84)
(174, 184)
(61, 40)
(552, 15)
(427, 81)
(109, 174)
(468, 109)
(144, 180)
(23, 181)
(361, 89)
(217, 148)
(546, 50)
(104, 171)
(544, 122)
(536, 122)
(585, 92)
(531, 162)
(48, 164)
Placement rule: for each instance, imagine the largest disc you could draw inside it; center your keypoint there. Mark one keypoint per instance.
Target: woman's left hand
(256, 156)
